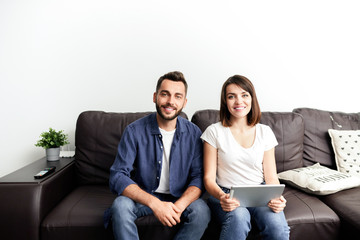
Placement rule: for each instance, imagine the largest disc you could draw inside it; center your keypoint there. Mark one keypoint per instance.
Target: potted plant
(51, 141)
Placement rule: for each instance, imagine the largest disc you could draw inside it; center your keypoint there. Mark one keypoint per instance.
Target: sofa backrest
(97, 137)
(317, 142)
(288, 128)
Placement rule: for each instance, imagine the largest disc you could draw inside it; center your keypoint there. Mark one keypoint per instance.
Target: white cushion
(319, 180)
(346, 145)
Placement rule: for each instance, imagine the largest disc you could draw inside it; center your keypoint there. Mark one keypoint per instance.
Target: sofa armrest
(55, 188)
(24, 201)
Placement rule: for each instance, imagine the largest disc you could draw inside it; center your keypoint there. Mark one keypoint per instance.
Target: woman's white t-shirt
(237, 165)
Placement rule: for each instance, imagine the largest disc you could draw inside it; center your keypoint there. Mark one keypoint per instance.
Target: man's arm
(191, 194)
(122, 167)
(194, 189)
(167, 212)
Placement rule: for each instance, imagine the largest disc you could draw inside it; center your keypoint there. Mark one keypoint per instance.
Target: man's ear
(154, 97)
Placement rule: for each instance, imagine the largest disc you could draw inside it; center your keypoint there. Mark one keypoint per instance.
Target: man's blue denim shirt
(139, 157)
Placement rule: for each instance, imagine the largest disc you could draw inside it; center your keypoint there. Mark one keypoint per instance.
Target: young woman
(239, 150)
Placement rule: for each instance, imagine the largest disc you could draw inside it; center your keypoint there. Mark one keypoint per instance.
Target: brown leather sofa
(70, 204)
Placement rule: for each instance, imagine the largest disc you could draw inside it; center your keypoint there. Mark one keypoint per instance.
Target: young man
(159, 168)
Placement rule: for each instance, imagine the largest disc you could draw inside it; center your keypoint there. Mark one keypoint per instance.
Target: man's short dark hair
(175, 76)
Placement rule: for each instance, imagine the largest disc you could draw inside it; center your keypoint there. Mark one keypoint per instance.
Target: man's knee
(122, 206)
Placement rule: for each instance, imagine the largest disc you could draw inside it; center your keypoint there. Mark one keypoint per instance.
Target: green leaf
(52, 138)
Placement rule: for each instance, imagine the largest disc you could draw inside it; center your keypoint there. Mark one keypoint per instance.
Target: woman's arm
(270, 176)
(210, 165)
(269, 166)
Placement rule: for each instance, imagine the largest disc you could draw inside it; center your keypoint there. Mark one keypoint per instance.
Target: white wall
(59, 58)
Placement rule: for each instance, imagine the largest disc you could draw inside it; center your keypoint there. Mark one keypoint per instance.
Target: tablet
(256, 195)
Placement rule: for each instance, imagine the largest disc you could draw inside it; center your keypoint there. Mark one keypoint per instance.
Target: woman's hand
(277, 204)
(228, 204)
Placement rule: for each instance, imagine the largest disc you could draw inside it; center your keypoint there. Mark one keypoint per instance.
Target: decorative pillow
(346, 145)
(319, 180)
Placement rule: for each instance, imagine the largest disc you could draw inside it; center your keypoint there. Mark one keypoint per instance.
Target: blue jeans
(125, 211)
(237, 223)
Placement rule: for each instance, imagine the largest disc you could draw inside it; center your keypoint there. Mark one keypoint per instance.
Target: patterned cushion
(319, 180)
(346, 145)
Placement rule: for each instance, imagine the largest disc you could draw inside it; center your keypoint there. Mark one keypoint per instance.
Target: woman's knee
(240, 217)
(278, 232)
(274, 226)
(199, 211)
(236, 225)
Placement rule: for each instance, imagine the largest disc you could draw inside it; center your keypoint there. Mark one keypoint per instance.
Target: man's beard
(163, 116)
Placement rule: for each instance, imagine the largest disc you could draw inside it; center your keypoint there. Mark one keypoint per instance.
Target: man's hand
(167, 213)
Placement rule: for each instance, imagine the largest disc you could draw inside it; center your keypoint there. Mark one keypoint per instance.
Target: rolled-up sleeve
(123, 165)
(196, 173)
(186, 160)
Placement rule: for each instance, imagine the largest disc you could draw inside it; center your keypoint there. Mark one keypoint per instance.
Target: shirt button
(159, 162)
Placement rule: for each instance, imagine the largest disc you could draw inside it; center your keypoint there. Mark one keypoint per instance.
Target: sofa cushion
(308, 217)
(289, 131)
(288, 128)
(317, 143)
(346, 145)
(80, 216)
(204, 118)
(346, 205)
(319, 180)
(97, 137)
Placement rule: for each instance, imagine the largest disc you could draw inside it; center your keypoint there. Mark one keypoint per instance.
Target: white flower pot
(53, 154)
